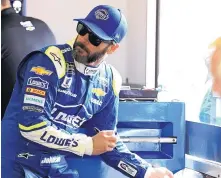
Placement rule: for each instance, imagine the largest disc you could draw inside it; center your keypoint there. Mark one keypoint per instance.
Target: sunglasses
(94, 39)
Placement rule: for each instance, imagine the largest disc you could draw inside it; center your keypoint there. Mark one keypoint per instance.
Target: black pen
(96, 130)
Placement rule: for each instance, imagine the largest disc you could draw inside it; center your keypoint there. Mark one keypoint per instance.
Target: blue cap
(106, 22)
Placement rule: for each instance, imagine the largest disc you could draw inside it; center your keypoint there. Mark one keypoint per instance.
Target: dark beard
(90, 57)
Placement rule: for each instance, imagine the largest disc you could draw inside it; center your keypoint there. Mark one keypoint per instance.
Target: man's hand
(160, 172)
(104, 141)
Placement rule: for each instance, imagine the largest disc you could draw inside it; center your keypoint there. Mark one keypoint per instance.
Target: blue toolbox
(153, 130)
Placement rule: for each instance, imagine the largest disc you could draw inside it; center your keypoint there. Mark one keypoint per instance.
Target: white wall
(187, 28)
(131, 56)
(136, 47)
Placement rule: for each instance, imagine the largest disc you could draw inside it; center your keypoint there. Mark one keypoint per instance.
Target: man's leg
(11, 169)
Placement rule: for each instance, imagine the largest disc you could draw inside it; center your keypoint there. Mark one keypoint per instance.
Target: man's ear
(112, 48)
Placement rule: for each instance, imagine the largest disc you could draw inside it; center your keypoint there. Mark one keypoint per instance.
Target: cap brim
(95, 29)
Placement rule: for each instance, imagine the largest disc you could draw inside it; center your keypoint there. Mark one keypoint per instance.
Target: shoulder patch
(56, 56)
(117, 81)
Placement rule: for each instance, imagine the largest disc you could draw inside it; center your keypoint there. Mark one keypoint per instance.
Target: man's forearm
(126, 162)
(50, 137)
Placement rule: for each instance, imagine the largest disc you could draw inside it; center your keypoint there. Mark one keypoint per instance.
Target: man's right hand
(104, 141)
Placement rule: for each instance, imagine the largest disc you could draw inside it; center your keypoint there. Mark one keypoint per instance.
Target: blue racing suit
(54, 98)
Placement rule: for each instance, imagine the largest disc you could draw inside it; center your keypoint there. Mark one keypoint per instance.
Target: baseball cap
(107, 22)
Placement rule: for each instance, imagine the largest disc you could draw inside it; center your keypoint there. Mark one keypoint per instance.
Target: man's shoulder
(33, 19)
(54, 54)
(22, 22)
(12, 18)
(39, 24)
(116, 79)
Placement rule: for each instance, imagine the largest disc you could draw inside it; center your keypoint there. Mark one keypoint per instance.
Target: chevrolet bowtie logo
(41, 71)
(56, 58)
(98, 92)
(25, 155)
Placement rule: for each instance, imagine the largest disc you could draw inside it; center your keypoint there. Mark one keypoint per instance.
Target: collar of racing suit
(8, 11)
(88, 70)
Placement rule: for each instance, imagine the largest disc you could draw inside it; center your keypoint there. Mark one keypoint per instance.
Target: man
(20, 35)
(61, 89)
(216, 66)
(210, 105)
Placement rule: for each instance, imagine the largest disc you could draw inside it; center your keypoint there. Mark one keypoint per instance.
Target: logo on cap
(101, 14)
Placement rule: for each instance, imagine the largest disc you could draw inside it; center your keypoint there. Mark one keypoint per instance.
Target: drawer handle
(171, 140)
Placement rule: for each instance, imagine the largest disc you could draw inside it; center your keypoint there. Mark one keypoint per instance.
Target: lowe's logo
(66, 119)
(38, 82)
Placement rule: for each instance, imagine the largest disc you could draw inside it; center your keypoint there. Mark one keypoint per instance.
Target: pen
(96, 130)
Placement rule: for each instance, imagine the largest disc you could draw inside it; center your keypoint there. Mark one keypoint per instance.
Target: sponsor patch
(41, 71)
(48, 138)
(48, 160)
(32, 109)
(38, 82)
(67, 82)
(98, 92)
(36, 100)
(97, 102)
(67, 92)
(67, 119)
(127, 168)
(70, 68)
(35, 91)
(56, 58)
(27, 25)
(66, 50)
(90, 71)
(64, 115)
(25, 155)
